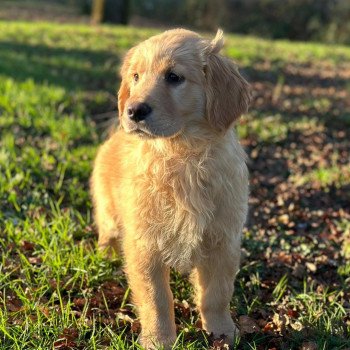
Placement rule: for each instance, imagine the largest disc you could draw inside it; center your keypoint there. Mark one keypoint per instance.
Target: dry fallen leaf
(292, 313)
(27, 246)
(35, 260)
(299, 271)
(13, 307)
(136, 326)
(220, 344)
(309, 346)
(297, 326)
(67, 339)
(247, 325)
(311, 266)
(283, 219)
(64, 344)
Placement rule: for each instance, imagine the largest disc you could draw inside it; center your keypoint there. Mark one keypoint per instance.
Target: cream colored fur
(176, 195)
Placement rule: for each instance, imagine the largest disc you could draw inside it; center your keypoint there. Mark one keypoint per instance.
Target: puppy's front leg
(213, 279)
(149, 282)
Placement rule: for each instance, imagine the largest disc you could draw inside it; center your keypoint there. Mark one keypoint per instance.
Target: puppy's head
(176, 83)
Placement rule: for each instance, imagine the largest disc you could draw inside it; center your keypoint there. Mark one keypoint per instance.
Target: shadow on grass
(73, 69)
(295, 74)
(274, 168)
(295, 341)
(295, 90)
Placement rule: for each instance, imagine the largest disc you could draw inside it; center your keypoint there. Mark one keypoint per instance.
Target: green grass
(55, 288)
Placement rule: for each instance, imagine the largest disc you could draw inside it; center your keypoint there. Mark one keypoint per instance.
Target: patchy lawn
(57, 99)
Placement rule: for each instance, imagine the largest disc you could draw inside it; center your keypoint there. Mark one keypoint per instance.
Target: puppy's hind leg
(109, 232)
(213, 279)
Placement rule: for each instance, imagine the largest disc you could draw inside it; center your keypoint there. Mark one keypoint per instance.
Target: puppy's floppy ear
(124, 90)
(227, 92)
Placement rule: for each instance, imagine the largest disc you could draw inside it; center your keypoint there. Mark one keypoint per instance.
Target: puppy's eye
(136, 77)
(173, 78)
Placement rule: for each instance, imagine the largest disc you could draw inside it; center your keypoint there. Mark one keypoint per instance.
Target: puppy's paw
(157, 342)
(227, 338)
(223, 332)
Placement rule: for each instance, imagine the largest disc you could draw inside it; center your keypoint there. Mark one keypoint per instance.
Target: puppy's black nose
(138, 111)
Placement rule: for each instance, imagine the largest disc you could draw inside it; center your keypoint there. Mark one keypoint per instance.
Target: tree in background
(196, 14)
(114, 11)
(97, 11)
(338, 27)
(321, 20)
(205, 14)
(118, 11)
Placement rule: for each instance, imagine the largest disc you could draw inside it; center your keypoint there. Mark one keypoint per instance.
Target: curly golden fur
(171, 190)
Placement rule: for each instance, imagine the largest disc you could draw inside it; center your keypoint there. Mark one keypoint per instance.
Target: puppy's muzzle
(138, 111)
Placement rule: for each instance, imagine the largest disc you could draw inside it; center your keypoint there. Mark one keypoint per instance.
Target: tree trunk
(97, 11)
(213, 14)
(125, 12)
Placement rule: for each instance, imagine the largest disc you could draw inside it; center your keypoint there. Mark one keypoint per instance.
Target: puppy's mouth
(145, 131)
(140, 132)
(146, 134)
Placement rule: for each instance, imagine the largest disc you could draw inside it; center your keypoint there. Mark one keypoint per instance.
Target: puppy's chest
(178, 202)
(184, 190)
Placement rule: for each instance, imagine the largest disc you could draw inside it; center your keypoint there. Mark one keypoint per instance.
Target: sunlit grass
(338, 175)
(53, 79)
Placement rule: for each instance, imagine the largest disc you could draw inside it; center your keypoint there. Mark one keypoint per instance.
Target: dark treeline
(320, 20)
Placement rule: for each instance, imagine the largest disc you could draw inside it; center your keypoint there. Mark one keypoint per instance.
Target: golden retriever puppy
(170, 187)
